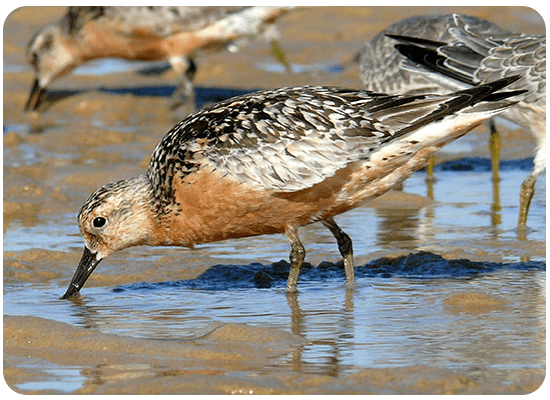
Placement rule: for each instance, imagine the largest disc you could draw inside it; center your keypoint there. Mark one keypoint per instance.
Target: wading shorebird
(470, 59)
(381, 63)
(459, 51)
(174, 34)
(273, 161)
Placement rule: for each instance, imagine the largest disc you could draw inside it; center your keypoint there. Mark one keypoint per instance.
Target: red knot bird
(174, 34)
(470, 59)
(459, 51)
(273, 161)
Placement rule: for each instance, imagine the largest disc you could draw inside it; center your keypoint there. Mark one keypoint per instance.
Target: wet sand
(223, 362)
(99, 129)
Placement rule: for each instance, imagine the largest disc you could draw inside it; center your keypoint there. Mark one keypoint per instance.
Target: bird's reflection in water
(335, 341)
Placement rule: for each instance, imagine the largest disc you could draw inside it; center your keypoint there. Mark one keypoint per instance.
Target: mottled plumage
(173, 34)
(273, 161)
(469, 58)
(453, 52)
(380, 62)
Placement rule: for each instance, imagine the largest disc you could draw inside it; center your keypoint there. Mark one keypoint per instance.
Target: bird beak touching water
(85, 267)
(36, 97)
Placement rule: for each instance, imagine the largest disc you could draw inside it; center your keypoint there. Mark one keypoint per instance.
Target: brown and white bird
(173, 34)
(274, 161)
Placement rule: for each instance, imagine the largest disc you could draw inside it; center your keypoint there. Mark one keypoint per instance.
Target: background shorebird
(174, 34)
(470, 58)
(273, 161)
(381, 63)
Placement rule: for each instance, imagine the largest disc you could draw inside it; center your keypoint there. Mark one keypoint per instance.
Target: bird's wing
(381, 63)
(472, 57)
(292, 138)
(525, 56)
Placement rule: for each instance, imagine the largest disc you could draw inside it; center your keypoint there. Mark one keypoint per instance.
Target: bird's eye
(99, 222)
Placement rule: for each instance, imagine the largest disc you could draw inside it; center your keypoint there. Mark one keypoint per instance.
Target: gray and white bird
(380, 62)
(453, 52)
(274, 161)
(173, 34)
(470, 59)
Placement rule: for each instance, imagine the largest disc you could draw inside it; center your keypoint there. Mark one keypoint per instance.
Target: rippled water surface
(394, 317)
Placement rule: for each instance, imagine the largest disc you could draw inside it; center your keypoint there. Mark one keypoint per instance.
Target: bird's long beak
(36, 97)
(85, 267)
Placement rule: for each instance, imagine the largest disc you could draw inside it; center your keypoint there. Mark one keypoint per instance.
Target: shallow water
(480, 314)
(393, 318)
(405, 317)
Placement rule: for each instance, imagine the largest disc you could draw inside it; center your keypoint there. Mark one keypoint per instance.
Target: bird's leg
(494, 147)
(271, 34)
(430, 169)
(345, 246)
(297, 257)
(526, 194)
(185, 92)
(279, 55)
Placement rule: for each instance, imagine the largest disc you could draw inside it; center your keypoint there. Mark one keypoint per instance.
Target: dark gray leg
(185, 92)
(345, 246)
(297, 257)
(494, 147)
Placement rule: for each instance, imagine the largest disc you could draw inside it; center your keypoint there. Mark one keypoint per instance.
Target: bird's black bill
(36, 97)
(85, 267)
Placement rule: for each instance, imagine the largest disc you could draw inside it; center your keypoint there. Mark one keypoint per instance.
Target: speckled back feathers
(289, 139)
